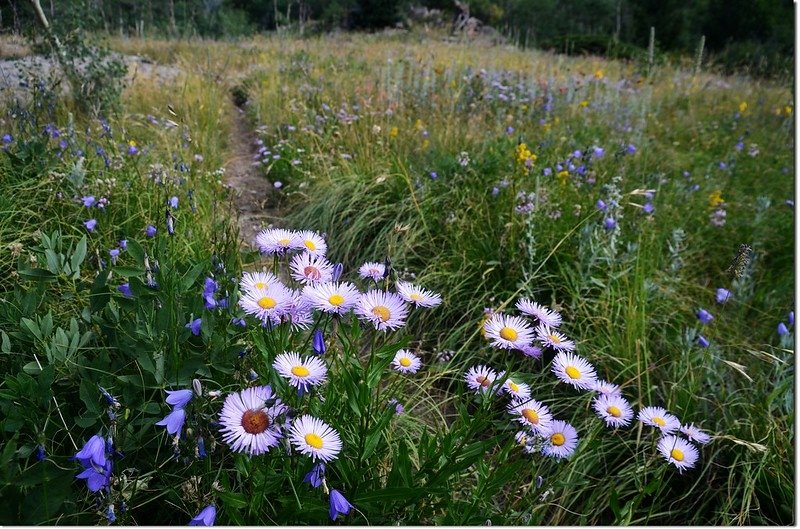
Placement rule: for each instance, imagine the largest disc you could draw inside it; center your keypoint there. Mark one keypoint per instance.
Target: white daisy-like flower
(659, 418)
(480, 378)
(336, 298)
(542, 314)
(532, 414)
(614, 410)
(302, 373)
(574, 370)
(385, 310)
(606, 388)
(372, 270)
(278, 241)
(418, 296)
(508, 332)
(249, 425)
(309, 268)
(312, 437)
(258, 280)
(554, 339)
(313, 243)
(406, 362)
(693, 433)
(561, 440)
(679, 452)
(268, 304)
(517, 390)
(299, 313)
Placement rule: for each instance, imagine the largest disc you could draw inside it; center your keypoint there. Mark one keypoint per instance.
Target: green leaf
(37, 274)
(32, 327)
(128, 271)
(99, 293)
(32, 368)
(78, 255)
(234, 500)
(5, 343)
(88, 394)
(136, 251)
(53, 261)
(191, 276)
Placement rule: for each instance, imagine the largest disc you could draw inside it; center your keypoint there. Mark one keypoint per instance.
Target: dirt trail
(251, 191)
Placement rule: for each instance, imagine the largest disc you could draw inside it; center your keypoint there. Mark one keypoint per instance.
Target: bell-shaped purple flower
(609, 223)
(195, 326)
(790, 317)
(782, 329)
(96, 477)
(318, 343)
(339, 504)
(174, 421)
(90, 224)
(704, 316)
(338, 268)
(179, 398)
(88, 201)
(723, 295)
(315, 475)
(150, 231)
(702, 341)
(205, 517)
(173, 202)
(93, 452)
(125, 290)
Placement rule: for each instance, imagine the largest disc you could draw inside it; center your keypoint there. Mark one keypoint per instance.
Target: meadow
(636, 214)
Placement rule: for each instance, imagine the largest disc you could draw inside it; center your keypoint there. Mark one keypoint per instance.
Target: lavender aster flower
(339, 504)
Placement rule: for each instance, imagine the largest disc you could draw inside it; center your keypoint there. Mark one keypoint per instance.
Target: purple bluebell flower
(179, 398)
(123, 244)
(702, 341)
(630, 149)
(601, 205)
(790, 317)
(509, 130)
(609, 223)
(210, 287)
(318, 343)
(598, 152)
(93, 452)
(704, 316)
(723, 295)
(174, 421)
(434, 175)
(338, 268)
(125, 290)
(110, 514)
(547, 171)
(8, 138)
(495, 191)
(173, 202)
(339, 504)
(41, 455)
(88, 201)
(97, 477)
(723, 165)
(649, 208)
(201, 448)
(150, 230)
(782, 329)
(114, 253)
(132, 150)
(239, 322)
(315, 475)
(90, 224)
(539, 482)
(195, 325)
(111, 400)
(206, 517)
(252, 376)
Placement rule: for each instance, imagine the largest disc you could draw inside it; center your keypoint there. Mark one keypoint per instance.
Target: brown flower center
(255, 422)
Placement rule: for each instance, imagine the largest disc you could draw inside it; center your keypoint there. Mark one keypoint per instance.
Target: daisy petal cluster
(679, 452)
(614, 410)
(385, 310)
(406, 362)
(561, 440)
(312, 437)
(542, 314)
(480, 378)
(278, 241)
(660, 418)
(574, 370)
(418, 296)
(249, 420)
(308, 268)
(554, 339)
(312, 243)
(302, 373)
(695, 434)
(508, 332)
(334, 298)
(372, 270)
(532, 414)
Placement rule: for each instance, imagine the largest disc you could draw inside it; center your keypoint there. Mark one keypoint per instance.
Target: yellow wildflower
(715, 199)
(742, 106)
(599, 74)
(562, 176)
(788, 110)
(393, 132)
(584, 103)
(418, 124)
(425, 144)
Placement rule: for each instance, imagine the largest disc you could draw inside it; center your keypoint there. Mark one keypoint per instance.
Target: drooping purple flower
(790, 317)
(547, 171)
(782, 329)
(495, 191)
(173, 202)
(206, 517)
(315, 475)
(123, 244)
(8, 138)
(318, 343)
(609, 223)
(150, 230)
(93, 452)
(174, 421)
(723, 295)
(125, 290)
(598, 152)
(338, 268)
(97, 477)
(111, 400)
(210, 287)
(114, 253)
(132, 150)
(434, 175)
(178, 398)
(339, 504)
(110, 514)
(201, 448)
(90, 224)
(649, 208)
(195, 325)
(630, 149)
(702, 341)
(239, 322)
(88, 201)
(704, 316)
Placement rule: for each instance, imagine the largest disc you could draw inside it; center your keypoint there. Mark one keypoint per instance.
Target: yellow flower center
(405, 362)
(314, 440)
(507, 333)
(415, 297)
(659, 421)
(676, 454)
(558, 439)
(310, 244)
(261, 285)
(382, 313)
(555, 339)
(300, 371)
(573, 372)
(530, 415)
(513, 387)
(336, 300)
(613, 410)
(267, 303)
(284, 242)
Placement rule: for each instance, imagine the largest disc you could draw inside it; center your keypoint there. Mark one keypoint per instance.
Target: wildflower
(150, 231)
(339, 504)
(315, 475)
(704, 316)
(210, 287)
(173, 202)
(648, 208)
(385, 310)
(123, 244)
(605, 388)
(525, 440)
(174, 421)
(561, 440)
(742, 107)
(693, 433)
(393, 132)
(249, 420)
(336, 298)
(715, 199)
(97, 476)
(398, 408)
(517, 390)
(110, 516)
(88, 201)
(702, 341)
(114, 253)
(132, 149)
(542, 314)
(313, 243)
(659, 418)
(308, 268)
(267, 305)
(609, 223)
(480, 378)
(170, 223)
(318, 343)
(41, 454)
(723, 295)
(613, 409)
(508, 332)
(278, 241)
(630, 149)
(574, 370)
(418, 296)
(337, 271)
(782, 329)
(495, 192)
(532, 413)
(534, 351)
(679, 452)
(206, 517)
(372, 270)
(179, 398)
(258, 280)
(313, 437)
(598, 152)
(125, 290)
(93, 452)
(790, 317)
(90, 224)
(195, 326)
(406, 362)
(554, 339)
(8, 138)
(601, 205)
(302, 373)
